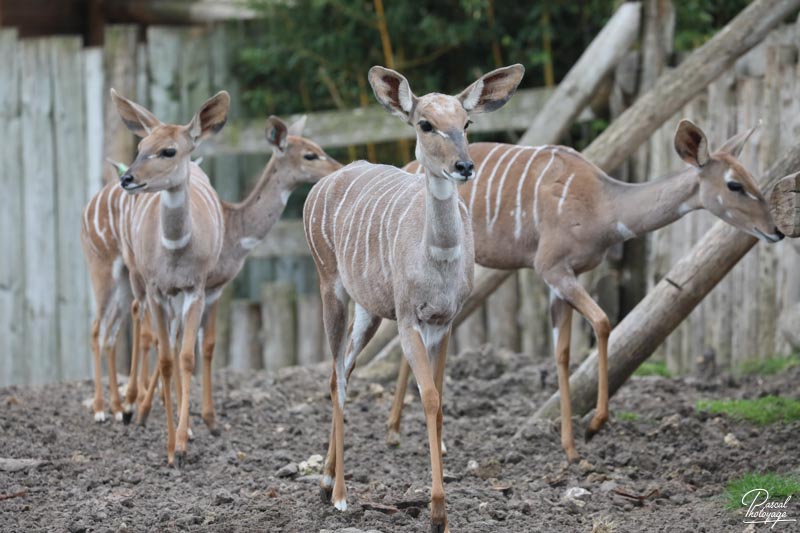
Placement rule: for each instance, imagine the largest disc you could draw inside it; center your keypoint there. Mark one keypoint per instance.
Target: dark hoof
(127, 417)
(180, 460)
(325, 494)
(215, 431)
(142, 420)
(438, 528)
(589, 434)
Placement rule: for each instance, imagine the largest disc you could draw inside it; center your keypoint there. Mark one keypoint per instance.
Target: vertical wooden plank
(312, 346)
(69, 133)
(472, 331)
(279, 325)
(39, 205)
(120, 68)
(501, 316)
(12, 268)
(163, 61)
(245, 336)
(534, 315)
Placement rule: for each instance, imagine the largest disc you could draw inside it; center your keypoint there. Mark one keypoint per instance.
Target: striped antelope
(171, 234)
(550, 209)
(296, 160)
(400, 246)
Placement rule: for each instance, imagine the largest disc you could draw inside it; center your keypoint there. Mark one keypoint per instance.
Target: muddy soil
(111, 477)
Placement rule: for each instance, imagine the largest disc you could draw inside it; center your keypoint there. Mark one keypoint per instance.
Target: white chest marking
(445, 254)
(431, 334)
(173, 200)
(624, 231)
(684, 208)
(441, 188)
(248, 243)
(285, 197)
(176, 244)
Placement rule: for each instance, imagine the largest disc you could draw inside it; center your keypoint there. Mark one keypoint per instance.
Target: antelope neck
(443, 226)
(176, 217)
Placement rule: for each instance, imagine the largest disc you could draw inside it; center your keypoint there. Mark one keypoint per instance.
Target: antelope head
(441, 120)
(726, 188)
(302, 160)
(165, 149)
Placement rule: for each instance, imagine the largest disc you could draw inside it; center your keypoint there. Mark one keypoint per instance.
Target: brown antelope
(550, 209)
(400, 246)
(170, 230)
(296, 160)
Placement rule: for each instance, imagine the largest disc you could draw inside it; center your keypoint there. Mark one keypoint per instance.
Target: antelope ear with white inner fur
(392, 91)
(492, 90)
(210, 118)
(296, 128)
(277, 134)
(735, 144)
(137, 118)
(691, 144)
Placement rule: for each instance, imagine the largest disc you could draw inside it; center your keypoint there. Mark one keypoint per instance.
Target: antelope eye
(425, 126)
(310, 156)
(467, 125)
(168, 152)
(735, 186)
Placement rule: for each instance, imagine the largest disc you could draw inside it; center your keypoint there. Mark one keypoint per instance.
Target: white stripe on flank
(393, 174)
(176, 244)
(390, 211)
(399, 226)
(343, 199)
(488, 194)
(536, 189)
(328, 183)
(499, 195)
(309, 228)
(98, 203)
(363, 195)
(389, 189)
(479, 173)
(110, 214)
(518, 210)
(564, 192)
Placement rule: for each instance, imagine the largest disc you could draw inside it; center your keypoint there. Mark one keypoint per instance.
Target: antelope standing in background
(296, 160)
(171, 233)
(401, 247)
(550, 209)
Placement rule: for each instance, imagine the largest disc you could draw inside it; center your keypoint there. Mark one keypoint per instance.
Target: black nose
(465, 168)
(779, 233)
(126, 179)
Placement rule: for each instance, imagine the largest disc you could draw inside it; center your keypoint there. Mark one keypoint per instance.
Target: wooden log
(12, 266)
(72, 290)
(670, 301)
(278, 325)
(785, 205)
(605, 51)
(177, 11)
(245, 345)
(671, 91)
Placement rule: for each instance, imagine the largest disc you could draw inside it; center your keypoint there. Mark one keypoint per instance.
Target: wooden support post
(245, 346)
(670, 301)
(785, 205)
(278, 325)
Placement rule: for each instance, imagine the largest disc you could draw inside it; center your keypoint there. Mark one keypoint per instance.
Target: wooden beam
(670, 92)
(670, 301)
(785, 205)
(605, 51)
(372, 124)
(176, 11)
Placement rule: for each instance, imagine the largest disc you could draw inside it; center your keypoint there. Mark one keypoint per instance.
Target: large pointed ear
(277, 133)
(691, 144)
(735, 144)
(210, 118)
(296, 128)
(392, 91)
(491, 91)
(138, 119)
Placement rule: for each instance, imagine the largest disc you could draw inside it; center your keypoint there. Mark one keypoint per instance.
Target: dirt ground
(112, 477)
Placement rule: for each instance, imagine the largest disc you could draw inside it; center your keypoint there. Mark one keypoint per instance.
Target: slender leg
(561, 316)
(97, 404)
(438, 377)
(417, 355)
(133, 385)
(191, 324)
(176, 361)
(147, 340)
(147, 402)
(165, 368)
(207, 342)
(393, 424)
(111, 363)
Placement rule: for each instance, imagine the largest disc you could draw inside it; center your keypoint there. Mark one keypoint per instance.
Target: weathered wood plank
(163, 61)
(12, 268)
(279, 325)
(785, 205)
(120, 68)
(502, 329)
(39, 218)
(69, 132)
(245, 345)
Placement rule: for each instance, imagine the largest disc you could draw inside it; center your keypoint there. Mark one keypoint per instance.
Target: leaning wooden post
(670, 301)
(671, 91)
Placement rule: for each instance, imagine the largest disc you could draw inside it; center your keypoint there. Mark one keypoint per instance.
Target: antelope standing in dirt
(550, 209)
(171, 234)
(400, 246)
(296, 160)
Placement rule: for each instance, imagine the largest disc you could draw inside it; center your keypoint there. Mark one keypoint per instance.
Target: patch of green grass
(779, 487)
(769, 367)
(653, 368)
(761, 411)
(627, 416)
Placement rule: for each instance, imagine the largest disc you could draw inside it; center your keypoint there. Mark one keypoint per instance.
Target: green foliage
(761, 411)
(698, 20)
(779, 487)
(769, 367)
(627, 416)
(653, 368)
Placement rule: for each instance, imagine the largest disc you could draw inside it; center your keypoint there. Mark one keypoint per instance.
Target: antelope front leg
(208, 341)
(561, 315)
(393, 424)
(191, 324)
(97, 404)
(165, 368)
(438, 376)
(417, 355)
(147, 340)
(111, 363)
(146, 403)
(133, 385)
